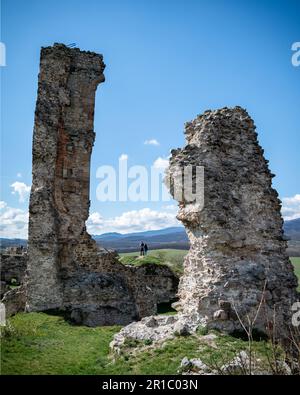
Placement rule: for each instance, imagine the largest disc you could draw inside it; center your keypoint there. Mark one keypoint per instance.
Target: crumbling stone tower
(66, 270)
(238, 254)
(62, 144)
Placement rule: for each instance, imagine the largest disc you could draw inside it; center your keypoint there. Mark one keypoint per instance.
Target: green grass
(37, 343)
(170, 257)
(174, 259)
(296, 263)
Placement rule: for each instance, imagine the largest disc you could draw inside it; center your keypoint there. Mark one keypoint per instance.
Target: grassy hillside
(174, 258)
(37, 343)
(171, 257)
(296, 263)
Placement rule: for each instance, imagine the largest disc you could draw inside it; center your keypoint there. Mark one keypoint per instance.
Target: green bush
(202, 330)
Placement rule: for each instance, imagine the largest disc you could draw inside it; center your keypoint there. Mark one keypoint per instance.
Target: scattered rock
(185, 364)
(14, 301)
(284, 368)
(200, 366)
(220, 315)
(181, 329)
(161, 329)
(171, 319)
(210, 340)
(150, 322)
(194, 366)
(176, 306)
(239, 365)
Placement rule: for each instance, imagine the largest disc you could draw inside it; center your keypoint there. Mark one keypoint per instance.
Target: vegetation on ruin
(170, 257)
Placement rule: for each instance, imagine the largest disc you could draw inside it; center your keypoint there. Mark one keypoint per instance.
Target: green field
(174, 259)
(170, 257)
(296, 263)
(38, 343)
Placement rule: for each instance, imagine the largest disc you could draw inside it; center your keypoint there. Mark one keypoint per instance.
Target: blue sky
(167, 61)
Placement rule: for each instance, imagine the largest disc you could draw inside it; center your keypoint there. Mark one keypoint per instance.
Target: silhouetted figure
(145, 248)
(142, 250)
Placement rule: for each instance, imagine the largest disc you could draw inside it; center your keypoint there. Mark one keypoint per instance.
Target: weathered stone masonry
(237, 256)
(238, 253)
(13, 267)
(237, 244)
(66, 269)
(62, 143)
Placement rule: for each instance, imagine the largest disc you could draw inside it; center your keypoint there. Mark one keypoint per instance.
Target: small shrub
(7, 331)
(131, 343)
(202, 330)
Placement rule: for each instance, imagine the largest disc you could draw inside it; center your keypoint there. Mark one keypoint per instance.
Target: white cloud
(170, 207)
(2, 204)
(161, 163)
(131, 221)
(13, 222)
(21, 189)
(123, 157)
(95, 219)
(291, 207)
(151, 142)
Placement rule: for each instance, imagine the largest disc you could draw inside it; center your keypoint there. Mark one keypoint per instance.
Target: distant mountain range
(174, 237)
(4, 243)
(292, 231)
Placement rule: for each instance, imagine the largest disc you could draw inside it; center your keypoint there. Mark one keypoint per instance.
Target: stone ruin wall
(237, 245)
(238, 253)
(62, 143)
(13, 267)
(237, 266)
(66, 269)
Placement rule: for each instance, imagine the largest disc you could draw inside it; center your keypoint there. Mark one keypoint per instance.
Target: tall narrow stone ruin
(66, 269)
(237, 257)
(62, 143)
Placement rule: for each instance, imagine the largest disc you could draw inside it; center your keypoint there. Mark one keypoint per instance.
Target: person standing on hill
(145, 248)
(142, 249)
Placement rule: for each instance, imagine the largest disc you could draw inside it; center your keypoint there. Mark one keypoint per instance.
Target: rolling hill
(173, 237)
